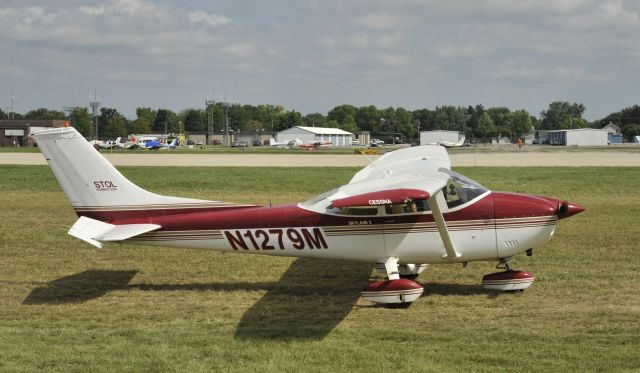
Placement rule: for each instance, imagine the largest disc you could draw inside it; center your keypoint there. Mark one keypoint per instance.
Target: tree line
(476, 122)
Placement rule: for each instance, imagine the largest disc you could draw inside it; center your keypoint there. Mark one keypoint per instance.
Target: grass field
(65, 306)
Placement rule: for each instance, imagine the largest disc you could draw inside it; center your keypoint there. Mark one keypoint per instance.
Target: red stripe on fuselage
(142, 214)
(507, 205)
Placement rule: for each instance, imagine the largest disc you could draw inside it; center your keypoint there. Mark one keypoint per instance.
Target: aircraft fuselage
(497, 225)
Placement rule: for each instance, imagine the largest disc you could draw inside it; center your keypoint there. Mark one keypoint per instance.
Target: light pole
(226, 123)
(209, 104)
(95, 104)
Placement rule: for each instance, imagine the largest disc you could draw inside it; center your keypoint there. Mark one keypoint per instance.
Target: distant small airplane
(280, 144)
(311, 144)
(128, 145)
(402, 212)
(448, 144)
(110, 144)
(154, 144)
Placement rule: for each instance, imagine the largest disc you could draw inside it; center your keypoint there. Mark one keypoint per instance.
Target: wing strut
(442, 227)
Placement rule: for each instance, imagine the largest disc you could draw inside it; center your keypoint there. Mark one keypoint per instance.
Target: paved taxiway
(532, 158)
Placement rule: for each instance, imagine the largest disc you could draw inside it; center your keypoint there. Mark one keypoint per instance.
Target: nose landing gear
(507, 280)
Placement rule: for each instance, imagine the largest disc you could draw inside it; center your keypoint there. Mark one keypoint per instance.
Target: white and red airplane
(404, 211)
(311, 144)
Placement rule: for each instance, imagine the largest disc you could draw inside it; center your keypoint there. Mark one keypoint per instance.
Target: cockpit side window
(460, 189)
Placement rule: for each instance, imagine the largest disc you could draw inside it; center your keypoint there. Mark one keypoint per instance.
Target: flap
(383, 197)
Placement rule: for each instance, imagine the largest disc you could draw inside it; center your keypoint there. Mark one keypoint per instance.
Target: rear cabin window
(355, 210)
(407, 208)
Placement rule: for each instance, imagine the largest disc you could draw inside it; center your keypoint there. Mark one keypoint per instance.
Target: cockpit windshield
(460, 189)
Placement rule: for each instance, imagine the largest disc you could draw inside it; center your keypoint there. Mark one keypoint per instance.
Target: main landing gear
(399, 291)
(507, 280)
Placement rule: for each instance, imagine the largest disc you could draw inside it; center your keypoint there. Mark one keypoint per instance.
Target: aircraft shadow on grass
(433, 288)
(311, 298)
(80, 287)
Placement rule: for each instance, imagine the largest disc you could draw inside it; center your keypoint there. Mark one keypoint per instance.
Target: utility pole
(227, 140)
(70, 110)
(209, 105)
(13, 98)
(95, 104)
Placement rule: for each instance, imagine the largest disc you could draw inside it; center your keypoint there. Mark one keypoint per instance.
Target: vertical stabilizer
(97, 189)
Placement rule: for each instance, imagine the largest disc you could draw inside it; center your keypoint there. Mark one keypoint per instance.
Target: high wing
(413, 173)
(418, 160)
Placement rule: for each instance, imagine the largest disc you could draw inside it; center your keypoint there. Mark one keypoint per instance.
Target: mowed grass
(65, 306)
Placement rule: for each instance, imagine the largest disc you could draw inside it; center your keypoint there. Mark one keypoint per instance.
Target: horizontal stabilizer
(92, 231)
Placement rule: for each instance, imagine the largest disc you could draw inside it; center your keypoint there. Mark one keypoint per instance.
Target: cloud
(512, 69)
(394, 60)
(383, 21)
(459, 50)
(92, 10)
(213, 20)
(325, 51)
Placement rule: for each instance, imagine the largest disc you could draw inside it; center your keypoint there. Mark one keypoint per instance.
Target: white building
(579, 137)
(612, 128)
(437, 137)
(337, 136)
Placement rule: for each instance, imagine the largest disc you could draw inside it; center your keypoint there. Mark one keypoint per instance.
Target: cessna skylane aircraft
(404, 211)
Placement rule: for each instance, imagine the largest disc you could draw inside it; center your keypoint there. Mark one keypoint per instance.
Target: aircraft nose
(567, 209)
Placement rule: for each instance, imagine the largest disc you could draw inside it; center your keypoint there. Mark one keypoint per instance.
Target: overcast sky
(313, 55)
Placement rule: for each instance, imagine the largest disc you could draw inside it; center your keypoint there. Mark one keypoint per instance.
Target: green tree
(425, 119)
(194, 120)
(43, 113)
(521, 122)
(253, 126)
(315, 120)
(81, 121)
(450, 118)
(239, 115)
(474, 113)
(333, 123)
(268, 115)
(349, 124)
(562, 115)
(368, 118)
(626, 116)
(485, 128)
(501, 117)
(339, 113)
(111, 124)
(630, 131)
(145, 117)
(165, 120)
(288, 119)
